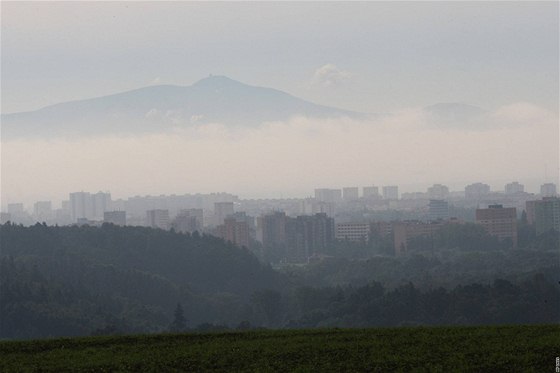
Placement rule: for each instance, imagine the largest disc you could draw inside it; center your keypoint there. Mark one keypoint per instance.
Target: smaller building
(438, 209)
(404, 231)
(354, 232)
(115, 217)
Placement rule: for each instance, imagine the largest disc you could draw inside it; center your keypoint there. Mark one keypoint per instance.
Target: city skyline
(472, 191)
(532, 188)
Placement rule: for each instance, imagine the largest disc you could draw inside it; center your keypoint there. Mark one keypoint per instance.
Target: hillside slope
(215, 99)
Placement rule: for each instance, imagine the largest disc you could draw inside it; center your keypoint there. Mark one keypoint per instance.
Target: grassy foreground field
(439, 349)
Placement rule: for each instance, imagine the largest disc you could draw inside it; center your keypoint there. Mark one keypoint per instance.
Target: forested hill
(76, 280)
(202, 263)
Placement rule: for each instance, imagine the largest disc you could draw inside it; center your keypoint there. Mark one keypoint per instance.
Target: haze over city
(279, 186)
(451, 97)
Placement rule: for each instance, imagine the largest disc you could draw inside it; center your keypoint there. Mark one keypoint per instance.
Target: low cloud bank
(515, 142)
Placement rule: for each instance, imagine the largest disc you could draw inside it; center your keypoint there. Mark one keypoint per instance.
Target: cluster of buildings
(294, 230)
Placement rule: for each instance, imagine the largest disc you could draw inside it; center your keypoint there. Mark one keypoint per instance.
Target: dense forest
(68, 281)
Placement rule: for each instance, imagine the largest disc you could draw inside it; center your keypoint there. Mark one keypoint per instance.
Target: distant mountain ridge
(215, 99)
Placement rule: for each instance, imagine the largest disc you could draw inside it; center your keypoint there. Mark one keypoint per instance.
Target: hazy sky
(370, 57)
(384, 55)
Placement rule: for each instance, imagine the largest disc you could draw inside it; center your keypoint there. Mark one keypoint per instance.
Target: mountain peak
(216, 81)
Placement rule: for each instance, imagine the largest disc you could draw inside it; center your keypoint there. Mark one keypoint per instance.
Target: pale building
(438, 191)
(81, 206)
(157, 219)
(328, 195)
(15, 208)
(548, 190)
(370, 192)
(221, 211)
(42, 211)
(100, 202)
(115, 217)
(391, 192)
(438, 209)
(350, 193)
(514, 188)
(311, 206)
(477, 191)
(189, 221)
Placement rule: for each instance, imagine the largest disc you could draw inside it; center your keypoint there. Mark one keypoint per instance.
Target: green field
(439, 349)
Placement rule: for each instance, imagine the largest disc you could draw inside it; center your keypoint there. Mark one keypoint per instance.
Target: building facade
(547, 215)
(157, 219)
(115, 217)
(391, 192)
(499, 222)
(353, 232)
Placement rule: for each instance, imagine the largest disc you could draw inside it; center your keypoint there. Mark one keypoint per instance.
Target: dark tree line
(69, 281)
(534, 301)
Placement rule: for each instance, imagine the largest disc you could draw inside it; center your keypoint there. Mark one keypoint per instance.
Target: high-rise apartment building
(476, 191)
(80, 206)
(438, 191)
(235, 231)
(42, 211)
(189, 220)
(272, 229)
(328, 195)
(391, 192)
(371, 192)
(295, 239)
(514, 188)
(89, 206)
(548, 190)
(547, 215)
(350, 193)
(438, 209)
(499, 222)
(100, 202)
(221, 211)
(157, 219)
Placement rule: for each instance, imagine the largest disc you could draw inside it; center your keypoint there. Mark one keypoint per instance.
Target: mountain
(215, 99)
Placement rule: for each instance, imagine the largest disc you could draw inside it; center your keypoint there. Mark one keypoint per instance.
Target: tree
(179, 323)
(269, 302)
